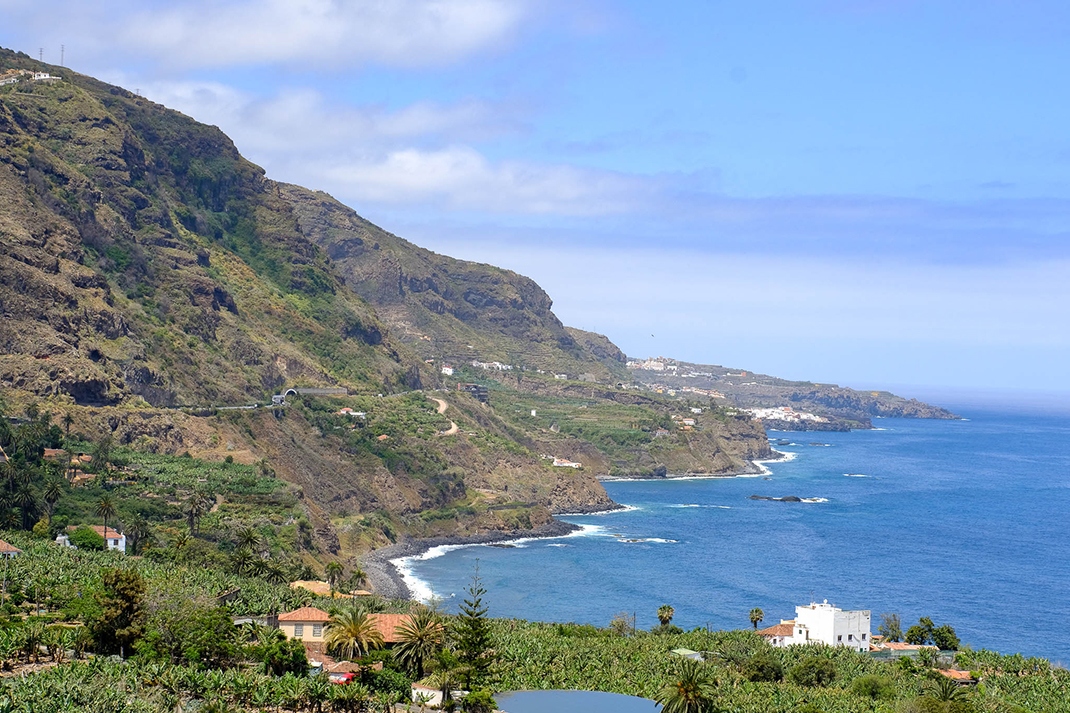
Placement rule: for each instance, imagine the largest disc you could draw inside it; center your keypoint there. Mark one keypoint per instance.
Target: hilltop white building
(822, 623)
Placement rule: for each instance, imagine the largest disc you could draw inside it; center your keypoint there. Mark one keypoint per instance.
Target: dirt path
(442, 406)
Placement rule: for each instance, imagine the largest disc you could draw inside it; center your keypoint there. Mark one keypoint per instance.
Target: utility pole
(41, 53)
(62, 51)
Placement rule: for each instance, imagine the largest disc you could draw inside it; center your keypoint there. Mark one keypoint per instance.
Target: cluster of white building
(491, 365)
(822, 623)
(785, 413)
(14, 76)
(654, 364)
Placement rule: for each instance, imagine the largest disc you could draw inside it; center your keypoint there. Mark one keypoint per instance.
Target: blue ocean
(966, 522)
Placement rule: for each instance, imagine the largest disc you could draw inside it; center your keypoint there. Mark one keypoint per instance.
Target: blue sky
(870, 192)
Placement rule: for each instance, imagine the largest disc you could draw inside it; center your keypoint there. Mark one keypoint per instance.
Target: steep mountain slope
(143, 256)
(145, 265)
(449, 309)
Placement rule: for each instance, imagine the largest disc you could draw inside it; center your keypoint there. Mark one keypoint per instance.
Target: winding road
(442, 406)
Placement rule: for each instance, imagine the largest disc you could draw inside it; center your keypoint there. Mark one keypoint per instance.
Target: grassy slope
(143, 255)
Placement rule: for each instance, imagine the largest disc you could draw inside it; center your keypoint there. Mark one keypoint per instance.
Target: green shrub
(282, 657)
(813, 671)
(873, 686)
(480, 701)
(85, 538)
(763, 667)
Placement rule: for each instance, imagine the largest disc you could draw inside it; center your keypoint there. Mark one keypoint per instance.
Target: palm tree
(334, 574)
(26, 500)
(249, 538)
(358, 577)
(945, 690)
(665, 614)
(418, 640)
(691, 690)
(102, 452)
(139, 534)
(197, 505)
(105, 510)
(351, 634)
(244, 561)
(53, 492)
(756, 616)
(447, 673)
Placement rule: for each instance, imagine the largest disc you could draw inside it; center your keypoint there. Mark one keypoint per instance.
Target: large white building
(823, 623)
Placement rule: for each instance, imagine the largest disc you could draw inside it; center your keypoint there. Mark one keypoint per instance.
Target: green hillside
(152, 280)
(144, 257)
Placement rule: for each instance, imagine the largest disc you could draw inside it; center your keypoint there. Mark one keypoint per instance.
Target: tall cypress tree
(472, 634)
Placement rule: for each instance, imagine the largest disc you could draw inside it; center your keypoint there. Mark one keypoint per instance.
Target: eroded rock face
(438, 304)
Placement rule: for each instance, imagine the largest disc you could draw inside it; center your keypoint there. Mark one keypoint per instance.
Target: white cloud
(410, 156)
(327, 33)
(297, 120)
(460, 177)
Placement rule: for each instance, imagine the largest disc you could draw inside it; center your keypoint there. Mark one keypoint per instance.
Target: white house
(113, 539)
(447, 370)
(563, 463)
(822, 623)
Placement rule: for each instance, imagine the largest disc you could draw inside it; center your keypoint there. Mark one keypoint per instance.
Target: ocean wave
(782, 457)
(815, 500)
(856, 475)
(556, 544)
(695, 505)
(614, 511)
(421, 591)
(634, 540)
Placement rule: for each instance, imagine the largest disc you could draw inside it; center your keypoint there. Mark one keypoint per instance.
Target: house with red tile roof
(306, 624)
(7, 550)
(963, 678)
(113, 539)
(309, 624)
(388, 624)
(897, 648)
(778, 634)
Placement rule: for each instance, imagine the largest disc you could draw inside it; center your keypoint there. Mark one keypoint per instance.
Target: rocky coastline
(386, 580)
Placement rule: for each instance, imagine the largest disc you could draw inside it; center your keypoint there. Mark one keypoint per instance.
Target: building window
(863, 637)
(850, 637)
(839, 638)
(299, 630)
(317, 629)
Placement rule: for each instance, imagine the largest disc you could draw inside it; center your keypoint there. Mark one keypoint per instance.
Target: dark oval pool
(572, 702)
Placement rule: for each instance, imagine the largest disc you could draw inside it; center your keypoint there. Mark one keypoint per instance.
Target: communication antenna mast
(62, 51)
(41, 54)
